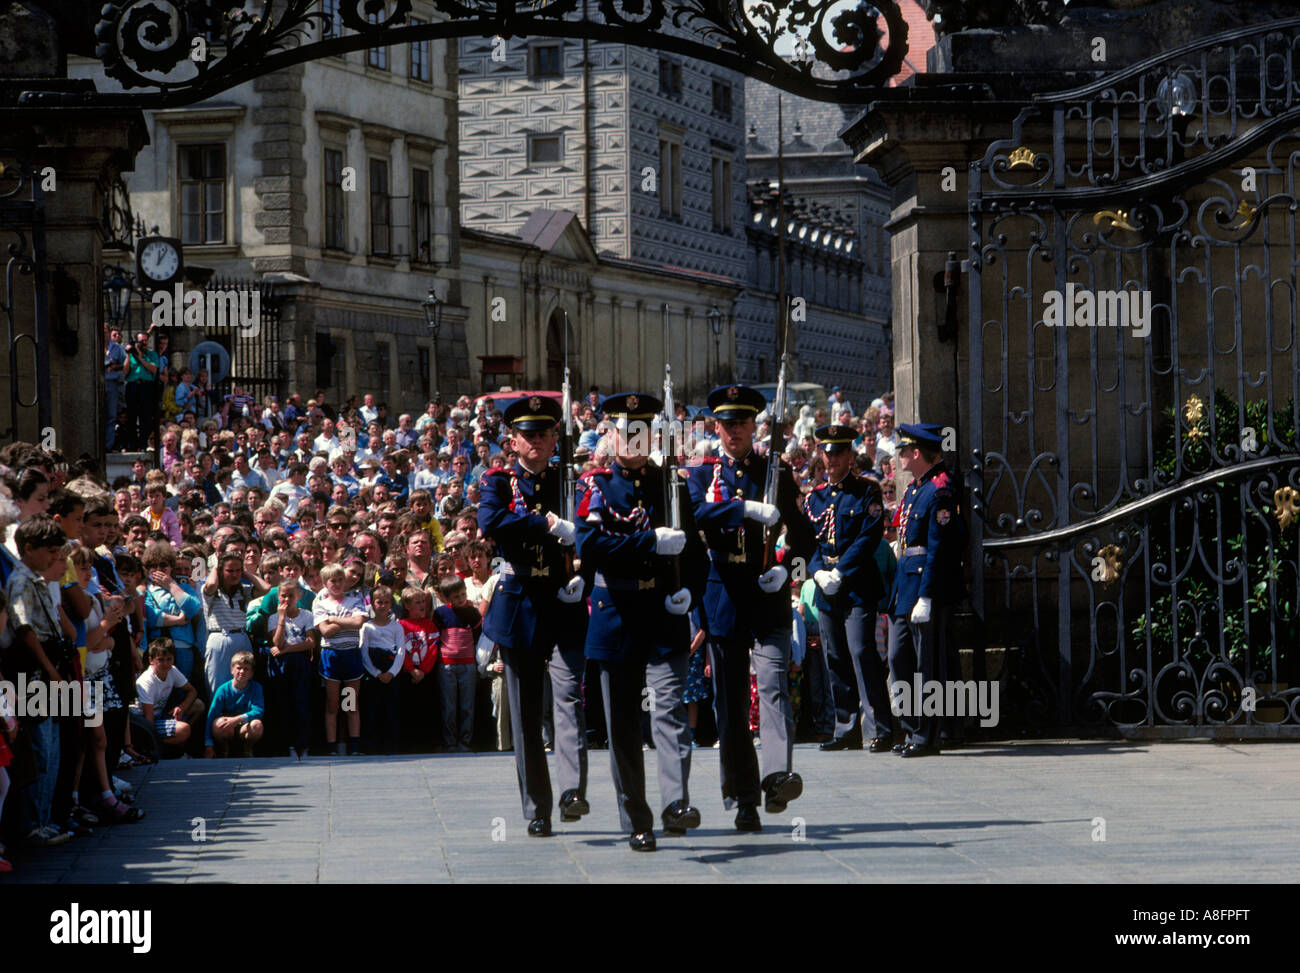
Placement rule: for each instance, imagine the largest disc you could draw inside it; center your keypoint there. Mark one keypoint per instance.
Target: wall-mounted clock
(159, 261)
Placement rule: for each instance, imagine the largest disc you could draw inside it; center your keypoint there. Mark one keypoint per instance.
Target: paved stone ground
(1178, 812)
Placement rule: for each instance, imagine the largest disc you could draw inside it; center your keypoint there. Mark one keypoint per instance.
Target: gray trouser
(921, 648)
(567, 666)
(740, 764)
(858, 676)
(621, 686)
(221, 648)
(458, 684)
(525, 670)
(501, 705)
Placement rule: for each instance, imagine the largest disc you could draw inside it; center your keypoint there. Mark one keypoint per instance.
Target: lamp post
(432, 305)
(715, 322)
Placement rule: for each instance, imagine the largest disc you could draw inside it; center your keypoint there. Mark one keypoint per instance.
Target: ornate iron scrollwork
(842, 51)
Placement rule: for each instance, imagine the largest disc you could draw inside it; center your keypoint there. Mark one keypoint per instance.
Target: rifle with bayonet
(775, 440)
(672, 496)
(569, 481)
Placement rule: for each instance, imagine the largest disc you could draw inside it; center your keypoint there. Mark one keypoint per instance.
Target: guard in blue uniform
(746, 610)
(538, 613)
(929, 582)
(846, 515)
(645, 577)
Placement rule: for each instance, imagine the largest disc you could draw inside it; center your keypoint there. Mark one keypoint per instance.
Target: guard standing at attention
(646, 576)
(538, 612)
(929, 582)
(746, 609)
(846, 515)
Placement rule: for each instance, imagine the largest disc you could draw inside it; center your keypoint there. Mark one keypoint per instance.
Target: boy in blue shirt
(236, 710)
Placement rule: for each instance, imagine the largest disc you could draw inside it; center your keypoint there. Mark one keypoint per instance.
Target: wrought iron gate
(24, 308)
(1135, 483)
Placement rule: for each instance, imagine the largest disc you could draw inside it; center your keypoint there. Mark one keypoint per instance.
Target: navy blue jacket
(930, 525)
(618, 510)
(846, 520)
(734, 605)
(525, 612)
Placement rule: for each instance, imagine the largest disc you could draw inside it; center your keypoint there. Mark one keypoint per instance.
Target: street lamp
(715, 322)
(117, 287)
(432, 306)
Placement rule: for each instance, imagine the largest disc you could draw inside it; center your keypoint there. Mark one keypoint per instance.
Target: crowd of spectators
(295, 578)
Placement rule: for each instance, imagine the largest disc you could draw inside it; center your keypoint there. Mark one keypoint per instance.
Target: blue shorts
(341, 665)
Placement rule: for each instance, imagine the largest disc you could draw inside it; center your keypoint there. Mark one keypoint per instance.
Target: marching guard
(747, 609)
(846, 516)
(538, 612)
(639, 632)
(929, 582)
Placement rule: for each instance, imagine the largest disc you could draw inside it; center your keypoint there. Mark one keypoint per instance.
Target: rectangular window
(331, 25)
(339, 366)
(203, 193)
(546, 61)
(722, 98)
(722, 194)
(421, 217)
(670, 177)
(670, 77)
(335, 205)
(383, 365)
(381, 230)
(421, 67)
(545, 149)
(377, 57)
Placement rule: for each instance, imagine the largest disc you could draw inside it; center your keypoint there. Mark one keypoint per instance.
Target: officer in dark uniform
(746, 610)
(639, 631)
(846, 515)
(929, 582)
(538, 607)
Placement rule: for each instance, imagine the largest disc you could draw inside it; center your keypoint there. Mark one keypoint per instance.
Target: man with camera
(143, 391)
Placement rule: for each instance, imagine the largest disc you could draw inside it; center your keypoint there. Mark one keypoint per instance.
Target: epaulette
(496, 471)
(708, 459)
(599, 471)
(941, 480)
(823, 485)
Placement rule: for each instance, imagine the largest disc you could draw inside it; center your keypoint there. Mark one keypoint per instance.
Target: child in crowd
(236, 710)
(383, 650)
(166, 698)
(459, 623)
(293, 644)
(421, 693)
(339, 614)
(169, 608)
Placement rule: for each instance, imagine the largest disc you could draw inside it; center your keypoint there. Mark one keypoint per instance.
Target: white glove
(668, 541)
(764, 513)
(563, 529)
(571, 592)
(921, 611)
(828, 581)
(772, 579)
(679, 603)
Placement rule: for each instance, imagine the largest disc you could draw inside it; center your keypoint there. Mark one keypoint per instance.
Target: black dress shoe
(881, 745)
(781, 789)
(540, 827)
(841, 743)
(642, 841)
(920, 750)
(573, 806)
(898, 748)
(747, 818)
(679, 816)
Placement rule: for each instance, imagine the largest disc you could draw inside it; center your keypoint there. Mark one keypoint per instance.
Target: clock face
(159, 260)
